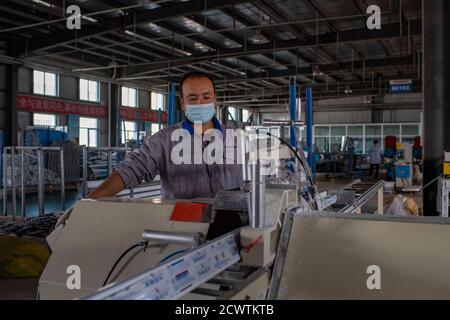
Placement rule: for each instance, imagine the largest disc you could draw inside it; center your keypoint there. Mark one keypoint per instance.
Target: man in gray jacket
(185, 180)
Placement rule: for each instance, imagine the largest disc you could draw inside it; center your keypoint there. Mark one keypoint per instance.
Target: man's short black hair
(194, 74)
(375, 141)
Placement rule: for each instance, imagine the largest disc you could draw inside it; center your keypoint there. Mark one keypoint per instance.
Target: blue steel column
(159, 119)
(172, 97)
(309, 125)
(293, 109)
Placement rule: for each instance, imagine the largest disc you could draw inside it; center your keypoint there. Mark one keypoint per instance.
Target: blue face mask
(200, 112)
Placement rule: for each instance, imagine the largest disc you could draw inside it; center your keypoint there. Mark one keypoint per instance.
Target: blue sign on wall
(400, 86)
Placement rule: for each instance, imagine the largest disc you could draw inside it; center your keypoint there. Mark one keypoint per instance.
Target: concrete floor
(18, 289)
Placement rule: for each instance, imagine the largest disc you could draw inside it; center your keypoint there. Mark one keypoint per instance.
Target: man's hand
(110, 187)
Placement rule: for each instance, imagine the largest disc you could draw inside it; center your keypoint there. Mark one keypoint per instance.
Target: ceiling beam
(178, 9)
(356, 35)
(332, 67)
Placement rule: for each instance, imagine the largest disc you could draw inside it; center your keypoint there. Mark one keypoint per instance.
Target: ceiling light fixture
(258, 37)
(135, 35)
(89, 19)
(316, 70)
(43, 3)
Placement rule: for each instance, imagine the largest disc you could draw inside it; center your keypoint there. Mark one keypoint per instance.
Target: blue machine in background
(403, 171)
(45, 137)
(390, 156)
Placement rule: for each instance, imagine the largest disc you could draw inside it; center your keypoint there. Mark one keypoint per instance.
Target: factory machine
(274, 238)
(400, 159)
(444, 187)
(404, 166)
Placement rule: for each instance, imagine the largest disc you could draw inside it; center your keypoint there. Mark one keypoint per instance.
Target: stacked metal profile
(43, 137)
(30, 170)
(72, 153)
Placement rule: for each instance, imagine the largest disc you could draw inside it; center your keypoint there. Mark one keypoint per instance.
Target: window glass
(157, 101)
(129, 97)
(410, 130)
(44, 83)
(355, 130)
(43, 119)
(232, 114)
(322, 130)
(391, 130)
(337, 130)
(372, 130)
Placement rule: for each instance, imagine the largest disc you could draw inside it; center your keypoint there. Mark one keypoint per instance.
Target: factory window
(410, 130)
(320, 144)
(373, 130)
(322, 130)
(337, 143)
(157, 101)
(337, 130)
(89, 132)
(391, 130)
(232, 114)
(142, 135)
(129, 97)
(128, 130)
(43, 119)
(332, 138)
(321, 138)
(45, 83)
(355, 130)
(369, 143)
(155, 128)
(358, 144)
(89, 90)
(245, 115)
(337, 138)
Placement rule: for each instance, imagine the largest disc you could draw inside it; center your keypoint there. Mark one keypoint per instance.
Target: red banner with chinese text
(127, 113)
(31, 103)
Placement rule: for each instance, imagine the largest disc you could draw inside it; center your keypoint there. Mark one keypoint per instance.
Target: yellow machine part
(447, 168)
(22, 257)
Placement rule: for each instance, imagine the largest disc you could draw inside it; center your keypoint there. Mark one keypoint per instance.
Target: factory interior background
(84, 83)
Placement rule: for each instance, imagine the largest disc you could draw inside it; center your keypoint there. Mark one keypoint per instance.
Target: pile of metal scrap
(39, 227)
(30, 170)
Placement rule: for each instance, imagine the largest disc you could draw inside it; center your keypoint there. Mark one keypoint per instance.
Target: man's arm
(137, 166)
(110, 187)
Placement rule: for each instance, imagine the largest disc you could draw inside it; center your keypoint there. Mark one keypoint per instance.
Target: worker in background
(178, 181)
(375, 159)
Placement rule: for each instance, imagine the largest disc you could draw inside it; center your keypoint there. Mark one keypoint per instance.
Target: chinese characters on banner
(127, 113)
(32, 103)
(39, 104)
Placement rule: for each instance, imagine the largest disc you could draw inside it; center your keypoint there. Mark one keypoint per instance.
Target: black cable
(295, 152)
(139, 244)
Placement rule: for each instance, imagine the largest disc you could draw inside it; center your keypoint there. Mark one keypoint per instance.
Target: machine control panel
(178, 276)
